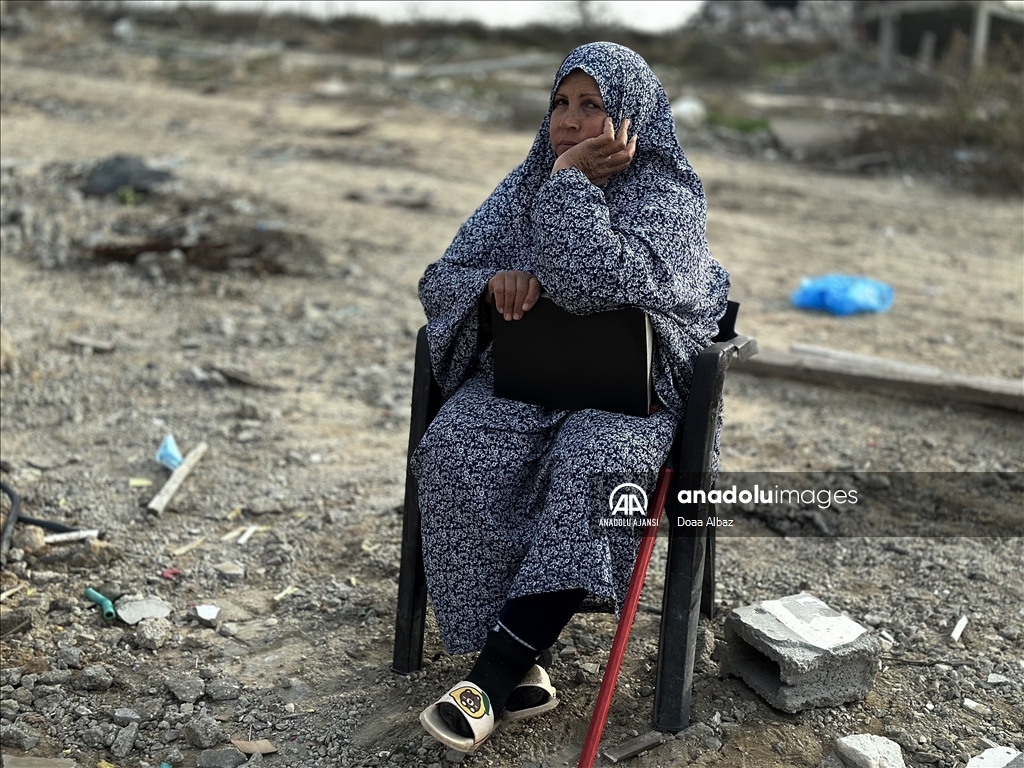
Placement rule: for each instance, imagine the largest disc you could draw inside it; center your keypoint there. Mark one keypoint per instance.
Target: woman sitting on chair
(605, 212)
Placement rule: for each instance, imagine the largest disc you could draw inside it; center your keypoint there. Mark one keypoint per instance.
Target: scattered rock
(203, 732)
(186, 689)
(30, 538)
(152, 633)
(976, 707)
(230, 571)
(70, 655)
(1010, 632)
(832, 760)
(95, 553)
(95, 678)
(123, 172)
(226, 757)
(225, 689)
(19, 736)
(124, 717)
(259, 747)
(124, 742)
(11, 675)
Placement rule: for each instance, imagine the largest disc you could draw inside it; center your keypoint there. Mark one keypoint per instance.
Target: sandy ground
(330, 444)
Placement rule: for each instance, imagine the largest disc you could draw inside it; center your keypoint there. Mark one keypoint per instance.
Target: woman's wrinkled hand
(601, 157)
(513, 293)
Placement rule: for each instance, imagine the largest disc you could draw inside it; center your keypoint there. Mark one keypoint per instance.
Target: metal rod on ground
(12, 518)
(47, 525)
(618, 651)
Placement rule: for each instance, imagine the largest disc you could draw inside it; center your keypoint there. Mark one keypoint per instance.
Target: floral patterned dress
(506, 489)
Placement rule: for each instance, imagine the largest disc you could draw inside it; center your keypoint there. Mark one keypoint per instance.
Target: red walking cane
(636, 585)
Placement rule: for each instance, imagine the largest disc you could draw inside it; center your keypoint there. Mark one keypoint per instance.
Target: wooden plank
(889, 376)
(175, 480)
(868, 360)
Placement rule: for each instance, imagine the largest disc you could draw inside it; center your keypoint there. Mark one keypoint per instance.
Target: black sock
(501, 665)
(499, 668)
(539, 619)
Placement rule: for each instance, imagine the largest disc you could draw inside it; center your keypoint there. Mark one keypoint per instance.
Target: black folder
(554, 358)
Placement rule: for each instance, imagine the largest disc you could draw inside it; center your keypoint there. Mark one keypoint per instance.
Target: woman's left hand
(602, 156)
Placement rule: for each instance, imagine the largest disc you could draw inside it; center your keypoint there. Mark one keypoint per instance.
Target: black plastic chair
(690, 571)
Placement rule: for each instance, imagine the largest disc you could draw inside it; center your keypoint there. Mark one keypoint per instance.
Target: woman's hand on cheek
(601, 157)
(513, 293)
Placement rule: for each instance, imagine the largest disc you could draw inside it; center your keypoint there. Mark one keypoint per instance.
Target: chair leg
(412, 581)
(412, 589)
(707, 598)
(680, 614)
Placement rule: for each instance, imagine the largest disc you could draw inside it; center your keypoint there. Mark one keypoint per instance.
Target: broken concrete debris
(996, 757)
(976, 707)
(864, 750)
(798, 653)
(205, 614)
(132, 610)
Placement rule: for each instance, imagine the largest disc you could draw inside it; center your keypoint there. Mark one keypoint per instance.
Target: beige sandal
(536, 679)
(474, 704)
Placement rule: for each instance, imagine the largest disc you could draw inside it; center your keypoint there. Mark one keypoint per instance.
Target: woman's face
(577, 113)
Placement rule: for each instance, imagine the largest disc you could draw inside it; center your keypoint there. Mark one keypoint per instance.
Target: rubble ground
(271, 313)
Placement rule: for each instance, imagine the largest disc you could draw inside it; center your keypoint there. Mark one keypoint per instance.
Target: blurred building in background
(920, 29)
(925, 29)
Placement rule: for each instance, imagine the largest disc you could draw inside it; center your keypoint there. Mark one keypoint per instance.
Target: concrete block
(798, 653)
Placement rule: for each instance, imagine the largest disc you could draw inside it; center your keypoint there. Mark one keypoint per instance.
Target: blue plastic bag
(168, 453)
(843, 294)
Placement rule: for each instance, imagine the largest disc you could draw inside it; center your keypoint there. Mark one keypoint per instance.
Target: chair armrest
(697, 433)
(741, 347)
